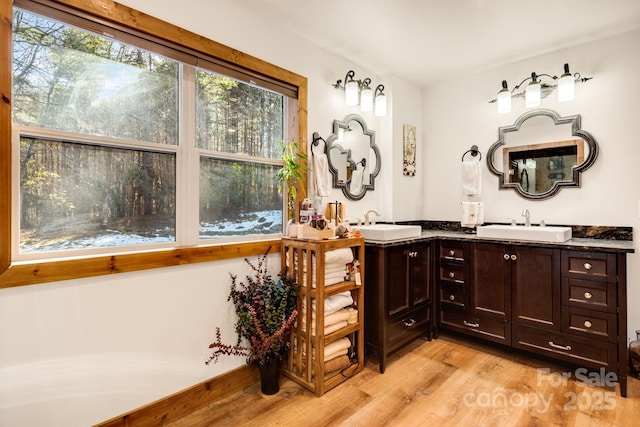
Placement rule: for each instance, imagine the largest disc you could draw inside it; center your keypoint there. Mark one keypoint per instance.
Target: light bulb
(351, 93)
(366, 99)
(532, 95)
(504, 99)
(381, 105)
(566, 85)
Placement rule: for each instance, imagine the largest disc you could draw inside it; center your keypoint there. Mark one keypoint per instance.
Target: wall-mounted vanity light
(538, 89)
(360, 92)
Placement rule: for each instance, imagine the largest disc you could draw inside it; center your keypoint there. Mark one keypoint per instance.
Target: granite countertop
(591, 244)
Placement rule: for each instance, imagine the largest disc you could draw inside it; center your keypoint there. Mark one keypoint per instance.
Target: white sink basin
(521, 232)
(390, 231)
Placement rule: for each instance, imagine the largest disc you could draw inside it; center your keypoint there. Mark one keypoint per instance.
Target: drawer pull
(452, 252)
(452, 274)
(452, 297)
(409, 322)
(587, 324)
(588, 295)
(471, 324)
(514, 257)
(587, 266)
(506, 256)
(560, 347)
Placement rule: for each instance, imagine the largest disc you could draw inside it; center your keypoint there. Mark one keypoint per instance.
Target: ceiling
(425, 41)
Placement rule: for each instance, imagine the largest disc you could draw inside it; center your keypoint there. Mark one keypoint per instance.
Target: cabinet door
(420, 272)
(398, 298)
(536, 287)
(490, 280)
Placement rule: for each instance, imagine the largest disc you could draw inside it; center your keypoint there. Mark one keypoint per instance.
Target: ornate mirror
(354, 158)
(541, 153)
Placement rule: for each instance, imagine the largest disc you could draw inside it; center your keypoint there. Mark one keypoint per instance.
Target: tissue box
(307, 232)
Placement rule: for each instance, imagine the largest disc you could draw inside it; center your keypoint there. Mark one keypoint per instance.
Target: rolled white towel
(338, 256)
(334, 303)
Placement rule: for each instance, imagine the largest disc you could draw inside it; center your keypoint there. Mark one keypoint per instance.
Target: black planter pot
(270, 376)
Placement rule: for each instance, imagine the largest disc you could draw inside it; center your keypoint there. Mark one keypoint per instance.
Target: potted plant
(266, 309)
(290, 175)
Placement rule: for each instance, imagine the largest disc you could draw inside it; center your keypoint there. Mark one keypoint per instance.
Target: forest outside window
(109, 158)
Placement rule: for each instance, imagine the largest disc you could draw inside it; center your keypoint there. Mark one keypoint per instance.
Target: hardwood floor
(450, 381)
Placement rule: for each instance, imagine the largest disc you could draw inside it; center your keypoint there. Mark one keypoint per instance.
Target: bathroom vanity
(399, 306)
(562, 301)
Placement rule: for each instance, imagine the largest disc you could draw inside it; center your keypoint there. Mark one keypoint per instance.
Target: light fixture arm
(339, 84)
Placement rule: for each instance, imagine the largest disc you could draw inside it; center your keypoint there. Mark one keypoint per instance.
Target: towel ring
(474, 152)
(316, 138)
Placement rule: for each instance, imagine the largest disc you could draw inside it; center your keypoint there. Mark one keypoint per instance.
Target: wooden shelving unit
(305, 260)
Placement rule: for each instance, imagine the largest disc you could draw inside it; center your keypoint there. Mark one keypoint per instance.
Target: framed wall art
(409, 150)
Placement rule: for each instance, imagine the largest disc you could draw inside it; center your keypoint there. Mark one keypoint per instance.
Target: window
(238, 195)
(119, 145)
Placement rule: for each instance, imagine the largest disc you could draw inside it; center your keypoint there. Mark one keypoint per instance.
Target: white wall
(82, 351)
(457, 115)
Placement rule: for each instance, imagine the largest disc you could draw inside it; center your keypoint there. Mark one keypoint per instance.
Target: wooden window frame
(34, 272)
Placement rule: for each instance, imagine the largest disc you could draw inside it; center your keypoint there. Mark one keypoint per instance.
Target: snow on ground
(255, 223)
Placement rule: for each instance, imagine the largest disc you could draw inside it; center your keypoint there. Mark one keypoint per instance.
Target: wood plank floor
(451, 381)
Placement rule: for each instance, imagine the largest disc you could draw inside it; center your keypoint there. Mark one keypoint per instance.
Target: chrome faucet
(367, 221)
(527, 218)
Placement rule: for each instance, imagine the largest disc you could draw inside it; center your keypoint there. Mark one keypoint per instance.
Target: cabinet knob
(452, 252)
(587, 266)
(413, 254)
(506, 256)
(452, 297)
(588, 295)
(587, 324)
(452, 274)
(514, 257)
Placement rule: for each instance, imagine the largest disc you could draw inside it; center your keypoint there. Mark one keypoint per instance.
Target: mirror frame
(576, 130)
(332, 139)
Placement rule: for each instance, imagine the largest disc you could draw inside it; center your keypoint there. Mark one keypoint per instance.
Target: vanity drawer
(590, 324)
(574, 349)
(490, 329)
(452, 294)
(595, 266)
(451, 251)
(452, 273)
(407, 326)
(590, 295)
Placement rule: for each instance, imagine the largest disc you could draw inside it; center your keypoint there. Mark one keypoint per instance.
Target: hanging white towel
(472, 214)
(471, 178)
(355, 187)
(321, 178)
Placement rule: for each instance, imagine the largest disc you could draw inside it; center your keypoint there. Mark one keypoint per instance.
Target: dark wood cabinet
(485, 282)
(398, 300)
(591, 330)
(535, 284)
(569, 305)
